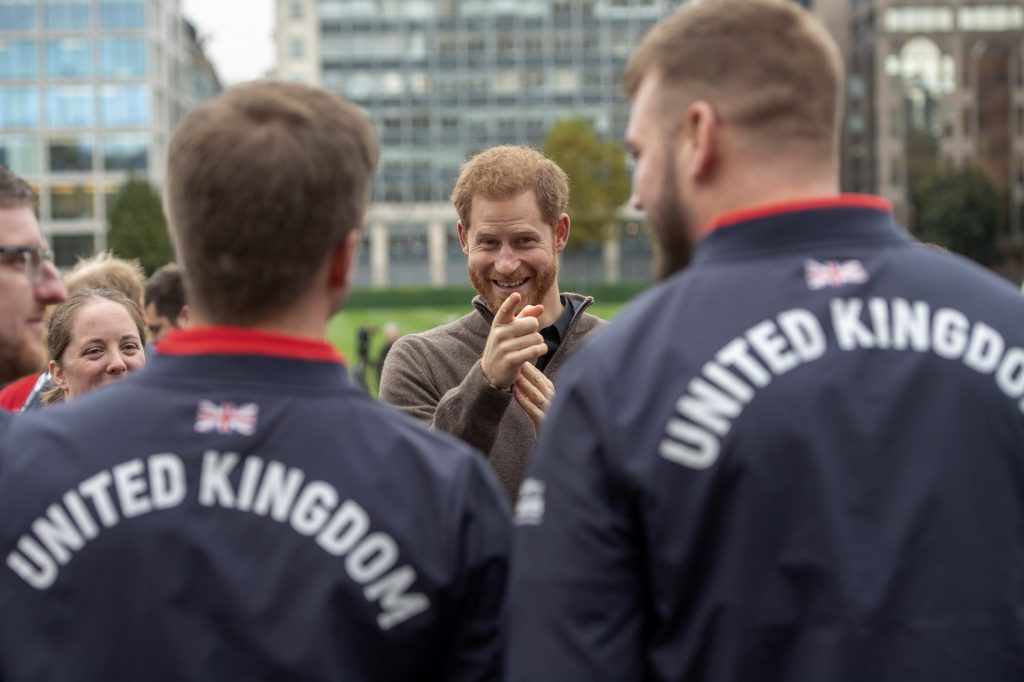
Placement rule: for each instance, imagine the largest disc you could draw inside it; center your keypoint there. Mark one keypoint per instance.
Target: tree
(959, 208)
(598, 180)
(138, 228)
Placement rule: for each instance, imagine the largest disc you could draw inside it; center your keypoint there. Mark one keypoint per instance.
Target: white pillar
(379, 255)
(612, 252)
(437, 253)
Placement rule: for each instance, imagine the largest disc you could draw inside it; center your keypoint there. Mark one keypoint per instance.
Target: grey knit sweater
(435, 377)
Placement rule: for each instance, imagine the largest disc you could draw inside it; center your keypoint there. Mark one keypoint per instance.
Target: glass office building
(90, 91)
(444, 79)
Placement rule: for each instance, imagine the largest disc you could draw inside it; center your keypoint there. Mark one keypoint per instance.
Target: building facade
(90, 92)
(444, 79)
(932, 82)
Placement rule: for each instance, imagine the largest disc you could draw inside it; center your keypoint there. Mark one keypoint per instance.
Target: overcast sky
(238, 36)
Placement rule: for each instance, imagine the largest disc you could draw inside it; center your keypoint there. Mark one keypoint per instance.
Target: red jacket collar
(764, 210)
(244, 341)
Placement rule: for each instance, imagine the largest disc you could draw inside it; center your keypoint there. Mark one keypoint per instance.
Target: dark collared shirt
(554, 333)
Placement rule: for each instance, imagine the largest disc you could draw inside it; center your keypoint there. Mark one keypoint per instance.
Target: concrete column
(612, 253)
(379, 255)
(437, 253)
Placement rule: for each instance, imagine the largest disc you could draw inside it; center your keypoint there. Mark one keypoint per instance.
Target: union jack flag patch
(833, 273)
(226, 418)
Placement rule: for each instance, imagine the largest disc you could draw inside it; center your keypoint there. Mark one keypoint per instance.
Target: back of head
(767, 66)
(165, 290)
(105, 271)
(263, 182)
(507, 171)
(14, 192)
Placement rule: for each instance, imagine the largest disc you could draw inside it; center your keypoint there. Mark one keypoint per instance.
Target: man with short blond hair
(802, 456)
(239, 510)
(488, 377)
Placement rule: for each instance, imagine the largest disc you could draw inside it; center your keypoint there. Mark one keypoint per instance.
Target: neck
(302, 320)
(758, 188)
(552, 307)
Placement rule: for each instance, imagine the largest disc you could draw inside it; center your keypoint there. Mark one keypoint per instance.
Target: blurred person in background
(102, 271)
(164, 297)
(488, 377)
(93, 338)
(28, 282)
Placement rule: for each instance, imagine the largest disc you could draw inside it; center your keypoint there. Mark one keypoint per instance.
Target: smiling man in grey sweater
(488, 377)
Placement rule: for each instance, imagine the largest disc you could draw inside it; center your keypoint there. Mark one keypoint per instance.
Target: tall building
(444, 79)
(90, 91)
(932, 82)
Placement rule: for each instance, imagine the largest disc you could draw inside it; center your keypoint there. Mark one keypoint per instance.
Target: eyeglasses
(32, 256)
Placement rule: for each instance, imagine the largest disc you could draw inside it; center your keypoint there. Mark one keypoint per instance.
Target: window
(123, 57)
(70, 106)
(17, 59)
(124, 106)
(69, 58)
(295, 9)
(297, 47)
(20, 153)
(991, 18)
(17, 15)
(126, 152)
(69, 248)
(71, 202)
(71, 154)
(123, 14)
(19, 108)
(67, 15)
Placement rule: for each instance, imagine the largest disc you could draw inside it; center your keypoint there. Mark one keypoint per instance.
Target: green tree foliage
(959, 208)
(598, 180)
(138, 228)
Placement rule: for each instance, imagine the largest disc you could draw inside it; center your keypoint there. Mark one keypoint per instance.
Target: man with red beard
(488, 377)
(28, 282)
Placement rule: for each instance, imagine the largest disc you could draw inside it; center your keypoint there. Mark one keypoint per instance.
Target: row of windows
(364, 84)
(75, 106)
(429, 9)
(73, 58)
(29, 155)
(75, 15)
(940, 19)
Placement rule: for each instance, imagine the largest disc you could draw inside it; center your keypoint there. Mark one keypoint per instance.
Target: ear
(463, 238)
(184, 315)
(58, 375)
(561, 233)
(344, 255)
(700, 138)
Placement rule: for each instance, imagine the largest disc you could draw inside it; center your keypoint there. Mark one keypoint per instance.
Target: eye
(130, 347)
(93, 351)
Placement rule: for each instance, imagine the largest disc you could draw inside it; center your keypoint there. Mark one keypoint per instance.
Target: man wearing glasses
(28, 282)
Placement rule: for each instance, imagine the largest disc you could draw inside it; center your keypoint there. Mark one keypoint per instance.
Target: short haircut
(166, 291)
(262, 183)
(106, 271)
(506, 172)
(768, 66)
(15, 192)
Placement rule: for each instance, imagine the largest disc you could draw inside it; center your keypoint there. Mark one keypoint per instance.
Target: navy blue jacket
(237, 510)
(800, 459)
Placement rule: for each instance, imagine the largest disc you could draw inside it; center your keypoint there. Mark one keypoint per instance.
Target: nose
(49, 287)
(507, 260)
(634, 200)
(117, 364)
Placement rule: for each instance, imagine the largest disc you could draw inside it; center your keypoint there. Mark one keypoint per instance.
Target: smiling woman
(94, 337)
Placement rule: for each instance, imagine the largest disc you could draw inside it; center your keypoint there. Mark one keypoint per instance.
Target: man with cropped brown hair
(462, 377)
(238, 510)
(799, 458)
(222, 218)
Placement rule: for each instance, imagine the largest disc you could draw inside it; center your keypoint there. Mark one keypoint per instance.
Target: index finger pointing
(506, 313)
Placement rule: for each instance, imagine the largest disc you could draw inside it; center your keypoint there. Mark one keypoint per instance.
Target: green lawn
(342, 330)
